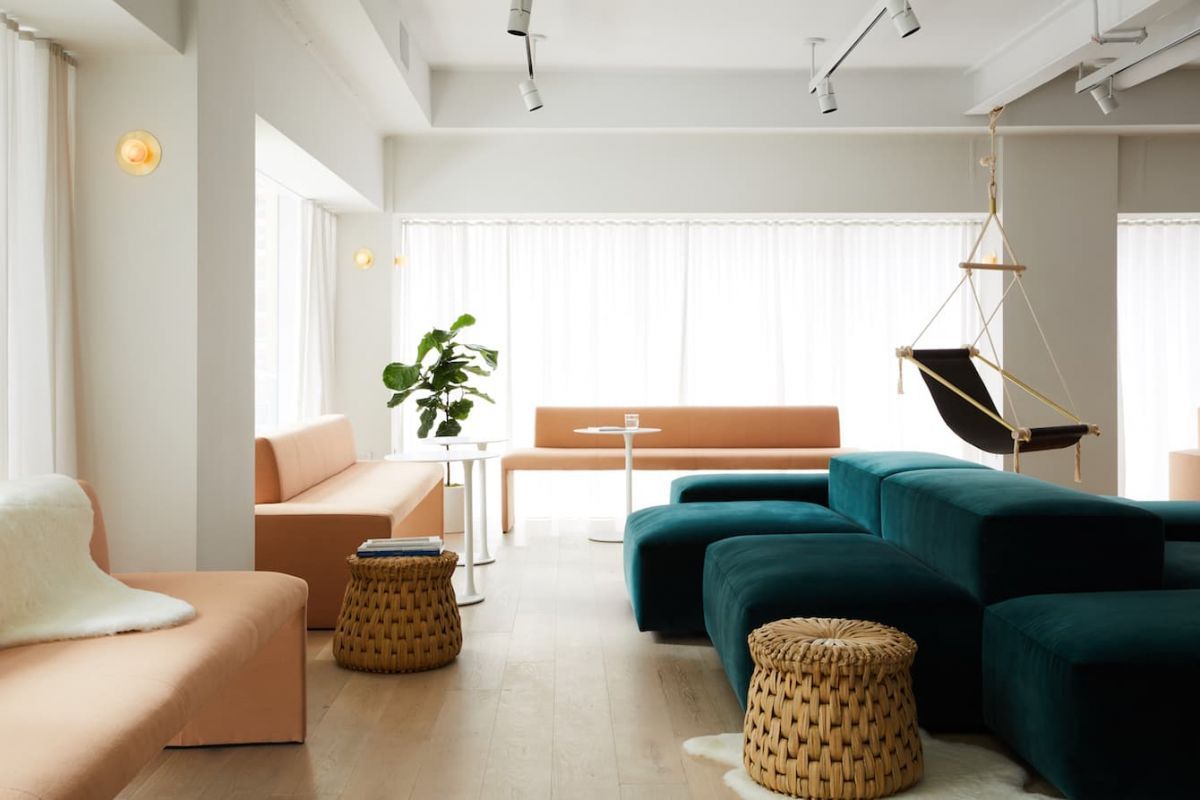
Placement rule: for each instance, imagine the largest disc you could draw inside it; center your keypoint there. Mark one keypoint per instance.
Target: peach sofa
(315, 502)
(79, 719)
(693, 437)
(1185, 472)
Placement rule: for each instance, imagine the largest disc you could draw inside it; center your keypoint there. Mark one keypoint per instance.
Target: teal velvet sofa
(1027, 600)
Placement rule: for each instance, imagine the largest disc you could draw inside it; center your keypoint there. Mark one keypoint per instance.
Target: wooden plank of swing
(994, 267)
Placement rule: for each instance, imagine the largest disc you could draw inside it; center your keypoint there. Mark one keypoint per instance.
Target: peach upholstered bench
(315, 502)
(79, 719)
(692, 438)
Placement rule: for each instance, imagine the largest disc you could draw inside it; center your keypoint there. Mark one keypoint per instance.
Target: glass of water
(631, 421)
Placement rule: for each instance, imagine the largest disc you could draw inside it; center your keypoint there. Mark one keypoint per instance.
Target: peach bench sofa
(315, 502)
(79, 719)
(693, 437)
(1185, 472)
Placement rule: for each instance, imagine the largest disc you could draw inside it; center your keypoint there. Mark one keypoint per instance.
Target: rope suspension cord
(991, 343)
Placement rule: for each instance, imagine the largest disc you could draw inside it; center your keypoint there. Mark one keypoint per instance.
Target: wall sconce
(364, 259)
(139, 153)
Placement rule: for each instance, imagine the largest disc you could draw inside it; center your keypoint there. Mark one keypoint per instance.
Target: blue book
(396, 553)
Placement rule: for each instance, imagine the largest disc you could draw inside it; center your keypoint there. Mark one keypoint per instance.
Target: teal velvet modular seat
(808, 487)
(665, 545)
(856, 481)
(1098, 691)
(753, 580)
(1000, 535)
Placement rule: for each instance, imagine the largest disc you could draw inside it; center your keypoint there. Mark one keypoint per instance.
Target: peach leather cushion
(311, 534)
(682, 458)
(693, 426)
(79, 719)
(289, 461)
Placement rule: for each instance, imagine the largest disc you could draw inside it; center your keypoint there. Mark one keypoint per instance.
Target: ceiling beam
(1059, 42)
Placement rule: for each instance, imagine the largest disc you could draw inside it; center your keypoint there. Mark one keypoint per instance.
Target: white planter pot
(452, 509)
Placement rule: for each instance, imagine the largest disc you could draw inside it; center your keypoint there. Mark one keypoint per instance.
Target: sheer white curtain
(37, 337)
(618, 312)
(318, 299)
(295, 299)
(1159, 337)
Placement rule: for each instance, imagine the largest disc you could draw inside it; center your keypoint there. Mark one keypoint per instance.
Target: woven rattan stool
(830, 712)
(398, 615)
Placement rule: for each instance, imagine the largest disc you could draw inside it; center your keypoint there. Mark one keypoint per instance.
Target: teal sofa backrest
(855, 481)
(1001, 535)
(1181, 518)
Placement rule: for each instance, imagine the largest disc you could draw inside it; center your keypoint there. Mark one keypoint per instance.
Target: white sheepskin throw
(953, 771)
(49, 586)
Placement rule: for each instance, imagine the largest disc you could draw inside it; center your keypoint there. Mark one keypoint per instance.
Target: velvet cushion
(810, 487)
(753, 580)
(1181, 518)
(1001, 535)
(1097, 691)
(855, 480)
(664, 551)
(1181, 565)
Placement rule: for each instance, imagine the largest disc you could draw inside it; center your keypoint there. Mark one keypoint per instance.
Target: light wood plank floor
(555, 695)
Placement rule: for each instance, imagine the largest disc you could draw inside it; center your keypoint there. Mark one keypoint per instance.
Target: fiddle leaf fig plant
(445, 380)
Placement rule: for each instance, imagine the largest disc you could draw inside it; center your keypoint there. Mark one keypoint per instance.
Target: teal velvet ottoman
(753, 580)
(1181, 518)
(808, 487)
(1181, 565)
(664, 551)
(1098, 691)
(1001, 535)
(856, 480)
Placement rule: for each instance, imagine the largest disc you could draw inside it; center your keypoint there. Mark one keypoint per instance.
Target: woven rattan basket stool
(398, 615)
(830, 713)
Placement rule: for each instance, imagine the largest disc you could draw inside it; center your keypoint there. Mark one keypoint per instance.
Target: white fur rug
(49, 586)
(953, 771)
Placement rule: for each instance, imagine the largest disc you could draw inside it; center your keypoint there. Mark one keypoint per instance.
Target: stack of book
(392, 548)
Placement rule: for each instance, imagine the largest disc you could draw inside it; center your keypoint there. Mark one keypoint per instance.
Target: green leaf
(400, 397)
(427, 419)
(465, 321)
(478, 371)
(430, 401)
(449, 427)
(435, 339)
(399, 377)
(490, 357)
(459, 409)
(475, 392)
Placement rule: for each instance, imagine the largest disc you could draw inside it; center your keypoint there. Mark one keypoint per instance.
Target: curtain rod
(899, 221)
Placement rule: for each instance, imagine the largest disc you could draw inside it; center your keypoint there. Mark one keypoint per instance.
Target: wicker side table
(398, 615)
(830, 713)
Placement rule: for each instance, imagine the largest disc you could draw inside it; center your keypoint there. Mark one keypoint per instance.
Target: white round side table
(467, 458)
(628, 434)
(484, 556)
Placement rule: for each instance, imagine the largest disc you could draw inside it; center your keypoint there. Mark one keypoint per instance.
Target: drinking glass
(632, 420)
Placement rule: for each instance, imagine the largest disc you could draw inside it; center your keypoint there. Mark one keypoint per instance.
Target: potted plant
(448, 396)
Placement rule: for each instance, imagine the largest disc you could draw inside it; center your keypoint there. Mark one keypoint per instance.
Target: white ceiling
(85, 26)
(711, 34)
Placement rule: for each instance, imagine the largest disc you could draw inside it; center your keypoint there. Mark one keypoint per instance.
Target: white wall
(225, 43)
(685, 173)
(363, 330)
(306, 103)
(136, 251)
(1060, 210)
(1160, 174)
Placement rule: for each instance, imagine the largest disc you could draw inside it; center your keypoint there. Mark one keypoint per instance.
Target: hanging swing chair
(959, 393)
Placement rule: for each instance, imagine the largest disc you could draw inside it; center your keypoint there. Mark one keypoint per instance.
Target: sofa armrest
(810, 487)
(1181, 518)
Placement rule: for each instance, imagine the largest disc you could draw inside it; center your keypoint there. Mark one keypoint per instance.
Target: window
(1158, 290)
(277, 271)
(694, 312)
